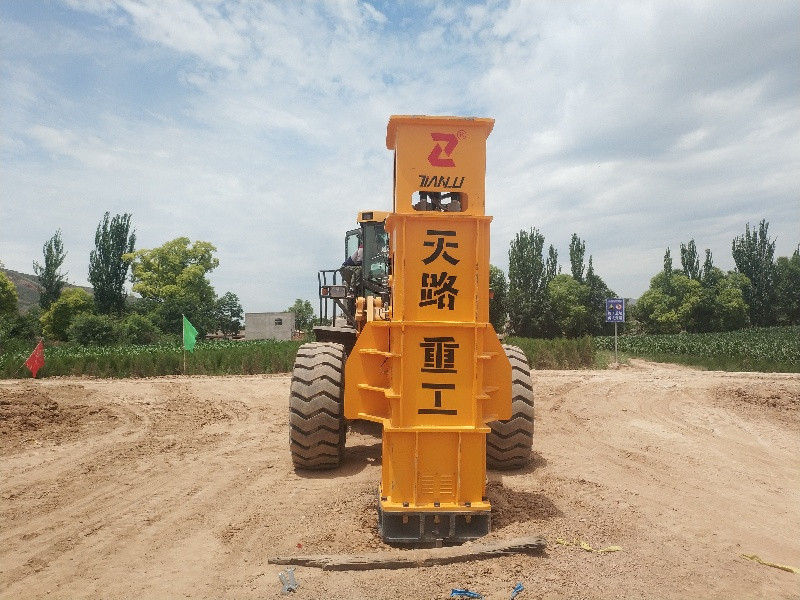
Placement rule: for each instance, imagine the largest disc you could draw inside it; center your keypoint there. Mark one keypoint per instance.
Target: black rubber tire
(509, 444)
(317, 427)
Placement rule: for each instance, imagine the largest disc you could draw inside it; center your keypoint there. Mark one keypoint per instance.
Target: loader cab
(366, 266)
(364, 273)
(375, 264)
(352, 241)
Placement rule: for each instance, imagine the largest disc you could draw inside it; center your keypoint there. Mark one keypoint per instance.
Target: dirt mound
(32, 415)
(767, 399)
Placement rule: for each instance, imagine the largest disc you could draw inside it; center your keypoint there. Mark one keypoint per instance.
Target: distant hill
(28, 288)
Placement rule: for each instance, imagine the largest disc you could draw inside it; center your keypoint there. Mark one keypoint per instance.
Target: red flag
(36, 359)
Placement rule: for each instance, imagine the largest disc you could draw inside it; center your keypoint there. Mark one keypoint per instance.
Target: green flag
(189, 335)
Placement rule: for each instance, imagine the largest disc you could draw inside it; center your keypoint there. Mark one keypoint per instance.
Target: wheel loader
(409, 344)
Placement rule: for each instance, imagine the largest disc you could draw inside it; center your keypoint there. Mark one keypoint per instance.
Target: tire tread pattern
(509, 444)
(317, 426)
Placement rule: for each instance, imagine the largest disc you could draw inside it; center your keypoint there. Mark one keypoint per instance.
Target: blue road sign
(615, 310)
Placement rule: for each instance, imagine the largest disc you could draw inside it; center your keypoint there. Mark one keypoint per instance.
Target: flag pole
(188, 341)
(183, 323)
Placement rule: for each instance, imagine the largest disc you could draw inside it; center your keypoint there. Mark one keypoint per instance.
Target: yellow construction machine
(410, 345)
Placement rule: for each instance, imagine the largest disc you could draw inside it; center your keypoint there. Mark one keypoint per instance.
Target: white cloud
(197, 29)
(259, 126)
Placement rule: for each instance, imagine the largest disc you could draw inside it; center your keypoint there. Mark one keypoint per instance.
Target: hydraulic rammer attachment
(429, 366)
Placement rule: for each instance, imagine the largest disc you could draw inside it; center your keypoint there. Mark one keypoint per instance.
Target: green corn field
(772, 349)
(775, 349)
(218, 357)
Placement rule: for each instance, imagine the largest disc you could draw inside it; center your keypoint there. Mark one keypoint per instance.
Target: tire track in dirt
(668, 461)
(184, 487)
(122, 481)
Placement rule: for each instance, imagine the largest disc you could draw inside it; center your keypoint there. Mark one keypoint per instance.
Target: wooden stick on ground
(401, 559)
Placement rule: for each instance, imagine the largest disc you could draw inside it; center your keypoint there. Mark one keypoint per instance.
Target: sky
(260, 126)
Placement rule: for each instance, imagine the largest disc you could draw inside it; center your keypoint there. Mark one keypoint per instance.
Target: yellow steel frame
(432, 369)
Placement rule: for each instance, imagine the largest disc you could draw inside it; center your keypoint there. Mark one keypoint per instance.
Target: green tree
(19, 331)
(670, 304)
(709, 277)
(551, 265)
(498, 287)
(8, 296)
(174, 270)
(89, 329)
(753, 254)
(57, 319)
(596, 289)
(596, 302)
(729, 311)
(577, 251)
(528, 277)
(693, 298)
(9, 315)
(229, 314)
(172, 282)
(668, 262)
(139, 329)
(167, 315)
(568, 300)
(710, 272)
(51, 279)
(303, 314)
(722, 306)
(788, 289)
(690, 261)
(108, 270)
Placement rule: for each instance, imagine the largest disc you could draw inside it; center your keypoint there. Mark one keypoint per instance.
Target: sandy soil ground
(184, 487)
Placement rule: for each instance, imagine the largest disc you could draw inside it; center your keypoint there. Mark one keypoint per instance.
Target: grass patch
(604, 359)
(560, 353)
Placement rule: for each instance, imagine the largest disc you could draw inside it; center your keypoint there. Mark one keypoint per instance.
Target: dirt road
(183, 488)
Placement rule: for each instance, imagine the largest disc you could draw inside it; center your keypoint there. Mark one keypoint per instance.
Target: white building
(269, 326)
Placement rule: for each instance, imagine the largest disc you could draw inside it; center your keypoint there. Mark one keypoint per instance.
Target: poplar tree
(596, 303)
(754, 254)
(108, 269)
(529, 274)
(788, 289)
(690, 262)
(577, 251)
(51, 279)
(497, 301)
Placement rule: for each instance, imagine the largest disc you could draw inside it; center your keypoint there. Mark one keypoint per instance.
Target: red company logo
(435, 157)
